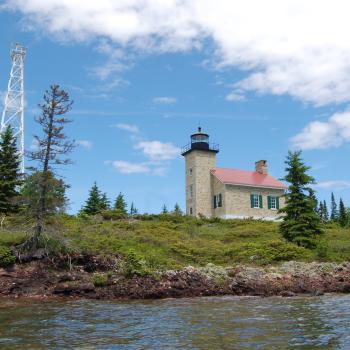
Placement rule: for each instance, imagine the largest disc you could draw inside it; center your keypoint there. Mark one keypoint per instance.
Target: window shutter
(269, 202)
(214, 202)
(277, 202)
(260, 201)
(252, 201)
(220, 200)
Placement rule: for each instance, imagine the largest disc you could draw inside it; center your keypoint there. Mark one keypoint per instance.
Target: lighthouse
(200, 159)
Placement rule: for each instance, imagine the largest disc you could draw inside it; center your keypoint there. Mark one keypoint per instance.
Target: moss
(99, 279)
(6, 257)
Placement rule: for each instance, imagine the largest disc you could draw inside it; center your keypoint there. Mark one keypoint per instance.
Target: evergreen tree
(343, 217)
(133, 210)
(105, 203)
(313, 198)
(120, 204)
(177, 209)
(321, 211)
(164, 209)
(93, 203)
(301, 224)
(325, 212)
(10, 174)
(334, 210)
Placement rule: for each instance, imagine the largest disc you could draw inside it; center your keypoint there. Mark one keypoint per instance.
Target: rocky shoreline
(40, 279)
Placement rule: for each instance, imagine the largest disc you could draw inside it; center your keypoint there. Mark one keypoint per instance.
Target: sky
(261, 78)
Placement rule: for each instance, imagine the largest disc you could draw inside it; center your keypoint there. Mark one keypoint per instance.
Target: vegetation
(10, 175)
(148, 243)
(6, 257)
(51, 150)
(301, 223)
(120, 204)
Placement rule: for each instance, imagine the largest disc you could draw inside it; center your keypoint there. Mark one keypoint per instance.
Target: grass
(152, 242)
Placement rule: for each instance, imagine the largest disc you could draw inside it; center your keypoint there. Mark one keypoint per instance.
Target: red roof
(246, 178)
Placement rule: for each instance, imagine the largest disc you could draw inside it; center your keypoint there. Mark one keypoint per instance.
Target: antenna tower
(13, 113)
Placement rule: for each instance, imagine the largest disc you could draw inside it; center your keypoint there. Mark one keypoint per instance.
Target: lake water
(198, 323)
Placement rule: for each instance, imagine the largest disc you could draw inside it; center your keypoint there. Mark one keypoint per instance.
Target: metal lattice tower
(13, 113)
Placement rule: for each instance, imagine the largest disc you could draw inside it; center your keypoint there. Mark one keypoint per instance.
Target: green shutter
(277, 202)
(252, 201)
(220, 200)
(214, 202)
(269, 202)
(260, 201)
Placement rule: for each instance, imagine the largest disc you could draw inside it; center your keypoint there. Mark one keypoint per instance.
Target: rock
(86, 288)
(287, 293)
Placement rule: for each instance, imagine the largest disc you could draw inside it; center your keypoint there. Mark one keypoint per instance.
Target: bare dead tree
(51, 150)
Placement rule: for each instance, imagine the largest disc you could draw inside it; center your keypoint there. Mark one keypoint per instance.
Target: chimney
(261, 167)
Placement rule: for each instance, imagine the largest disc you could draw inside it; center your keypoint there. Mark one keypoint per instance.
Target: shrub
(114, 215)
(99, 280)
(6, 257)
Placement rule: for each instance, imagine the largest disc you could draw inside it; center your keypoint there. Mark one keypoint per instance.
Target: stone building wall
(237, 202)
(201, 163)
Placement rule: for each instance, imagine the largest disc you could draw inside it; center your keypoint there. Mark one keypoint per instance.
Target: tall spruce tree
(52, 149)
(301, 224)
(321, 211)
(177, 209)
(105, 203)
(93, 203)
(334, 209)
(343, 217)
(164, 209)
(10, 174)
(325, 212)
(120, 204)
(133, 210)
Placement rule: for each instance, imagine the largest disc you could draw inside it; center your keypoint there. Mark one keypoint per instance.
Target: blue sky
(142, 81)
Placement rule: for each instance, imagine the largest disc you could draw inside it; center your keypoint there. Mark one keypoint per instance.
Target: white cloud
(294, 47)
(165, 100)
(334, 184)
(127, 127)
(234, 96)
(158, 151)
(322, 135)
(84, 143)
(130, 168)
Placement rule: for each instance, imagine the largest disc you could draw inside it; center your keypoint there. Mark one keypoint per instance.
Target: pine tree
(133, 210)
(105, 203)
(321, 211)
(93, 203)
(334, 210)
(313, 198)
(177, 209)
(343, 217)
(10, 174)
(164, 209)
(120, 204)
(325, 212)
(301, 224)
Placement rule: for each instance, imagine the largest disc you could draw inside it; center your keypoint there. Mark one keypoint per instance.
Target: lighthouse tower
(200, 157)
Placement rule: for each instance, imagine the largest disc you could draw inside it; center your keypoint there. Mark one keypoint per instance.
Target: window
(190, 171)
(273, 202)
(191, 191)
(191, 212)
(218, 201)
(256, 201)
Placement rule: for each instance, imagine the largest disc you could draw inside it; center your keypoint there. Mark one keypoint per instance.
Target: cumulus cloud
(334, 184)
(84, 143)
(322, 135)
(234, 96)
(165, 100)
(294, 47)
(158, 151)
(128, 127)
(130, 168)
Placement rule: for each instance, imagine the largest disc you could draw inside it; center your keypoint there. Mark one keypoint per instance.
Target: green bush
(100, 279)
(113, 215)
(6, 257)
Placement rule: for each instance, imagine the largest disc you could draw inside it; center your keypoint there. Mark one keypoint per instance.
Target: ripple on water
(199, 323)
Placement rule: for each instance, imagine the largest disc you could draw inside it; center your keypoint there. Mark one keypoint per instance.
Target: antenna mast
(13, 113)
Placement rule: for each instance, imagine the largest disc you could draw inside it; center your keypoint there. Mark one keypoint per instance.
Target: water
(200, 323)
